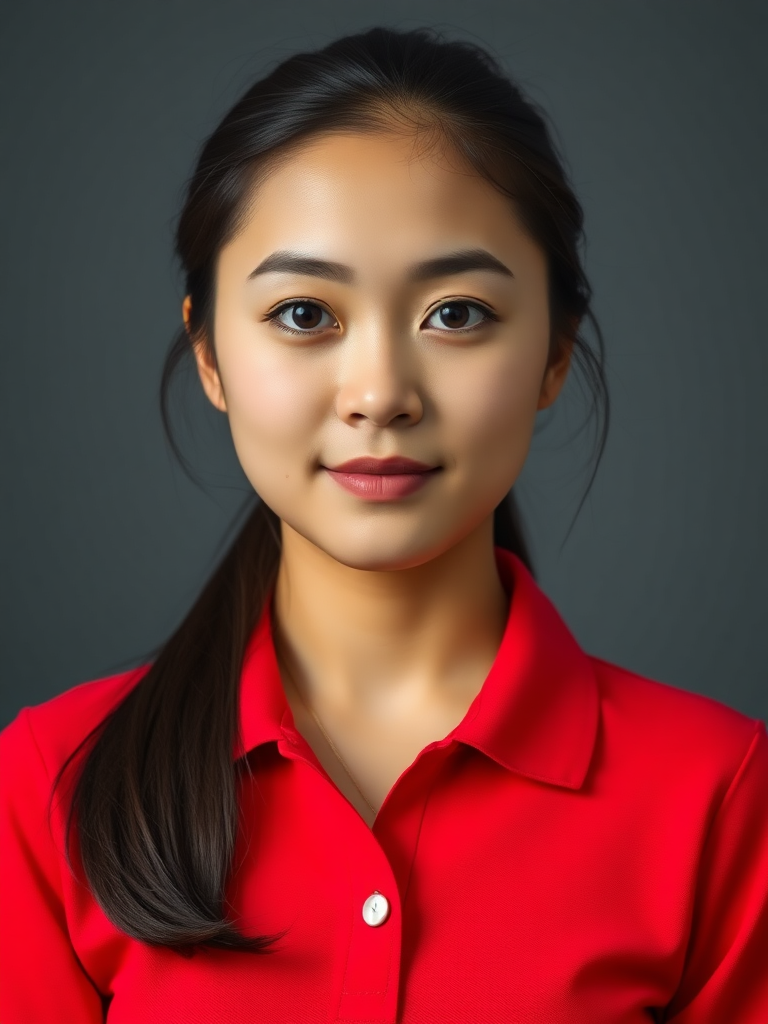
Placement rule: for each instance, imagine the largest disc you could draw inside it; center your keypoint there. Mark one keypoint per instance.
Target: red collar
(536, 714)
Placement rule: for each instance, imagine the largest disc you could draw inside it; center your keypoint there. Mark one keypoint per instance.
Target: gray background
(660, 109)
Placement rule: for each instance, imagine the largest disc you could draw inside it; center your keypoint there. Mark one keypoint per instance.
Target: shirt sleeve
(725, 977)
(41, 978)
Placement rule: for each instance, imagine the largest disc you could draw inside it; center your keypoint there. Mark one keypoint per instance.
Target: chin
(369, 548)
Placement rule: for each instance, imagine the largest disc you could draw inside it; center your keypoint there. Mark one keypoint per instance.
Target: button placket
(370, 978)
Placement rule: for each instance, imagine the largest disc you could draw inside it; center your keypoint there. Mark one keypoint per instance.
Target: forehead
(377, 202)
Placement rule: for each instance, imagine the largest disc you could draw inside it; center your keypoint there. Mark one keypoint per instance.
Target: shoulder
(673, 734)
(51, 731)
(668, 711)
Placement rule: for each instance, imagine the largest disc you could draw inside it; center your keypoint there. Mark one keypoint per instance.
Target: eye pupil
(306, 315)
(449, 317)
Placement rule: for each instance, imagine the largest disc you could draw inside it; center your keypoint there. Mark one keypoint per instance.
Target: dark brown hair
(153, 798)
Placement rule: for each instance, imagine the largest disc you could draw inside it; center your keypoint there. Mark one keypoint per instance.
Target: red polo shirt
(587, 846)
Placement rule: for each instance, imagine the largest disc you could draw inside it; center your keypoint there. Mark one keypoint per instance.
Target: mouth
(394, 465)
(387, 483)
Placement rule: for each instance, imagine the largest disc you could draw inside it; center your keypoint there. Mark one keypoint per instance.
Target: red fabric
(588, 846)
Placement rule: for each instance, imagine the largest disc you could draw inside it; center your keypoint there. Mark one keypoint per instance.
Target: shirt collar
(536, 713)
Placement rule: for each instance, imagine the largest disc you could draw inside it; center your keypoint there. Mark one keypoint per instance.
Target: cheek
(274, 409)
(490, 411)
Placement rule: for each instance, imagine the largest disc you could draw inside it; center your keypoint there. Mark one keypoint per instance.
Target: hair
(154, 797)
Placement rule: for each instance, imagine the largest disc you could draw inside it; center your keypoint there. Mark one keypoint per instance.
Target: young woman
(373, 776)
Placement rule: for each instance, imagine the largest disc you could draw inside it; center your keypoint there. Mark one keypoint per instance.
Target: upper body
(384, 287)
(585, 845)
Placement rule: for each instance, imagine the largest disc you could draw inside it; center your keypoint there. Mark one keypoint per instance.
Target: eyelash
(488, 316)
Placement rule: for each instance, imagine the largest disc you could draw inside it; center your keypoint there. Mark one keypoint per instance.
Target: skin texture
(389, 615)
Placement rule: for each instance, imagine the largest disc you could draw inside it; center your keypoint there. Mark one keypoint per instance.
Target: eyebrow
(458, 262)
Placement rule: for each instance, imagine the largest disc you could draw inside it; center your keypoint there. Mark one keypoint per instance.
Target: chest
(508, 901)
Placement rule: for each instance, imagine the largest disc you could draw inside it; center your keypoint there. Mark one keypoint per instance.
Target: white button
(376, 909)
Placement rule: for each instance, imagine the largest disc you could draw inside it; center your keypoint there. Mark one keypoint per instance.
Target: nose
(379, 379)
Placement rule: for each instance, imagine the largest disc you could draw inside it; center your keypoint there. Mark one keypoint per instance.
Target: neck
(365, 642)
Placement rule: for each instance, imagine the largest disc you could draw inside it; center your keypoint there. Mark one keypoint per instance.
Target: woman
(373, 750)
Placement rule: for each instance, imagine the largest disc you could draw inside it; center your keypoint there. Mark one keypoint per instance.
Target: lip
(395, 464)
(382, 479)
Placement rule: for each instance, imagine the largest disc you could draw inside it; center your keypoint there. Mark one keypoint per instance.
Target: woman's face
(370, 357)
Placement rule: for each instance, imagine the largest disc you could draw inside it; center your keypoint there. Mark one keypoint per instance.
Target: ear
(557, 371)
(207, 370)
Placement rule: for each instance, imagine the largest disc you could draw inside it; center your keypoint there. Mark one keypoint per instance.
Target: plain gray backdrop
(659, 107)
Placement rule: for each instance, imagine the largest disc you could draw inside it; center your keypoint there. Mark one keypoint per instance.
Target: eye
(455, 318)
(302, 313)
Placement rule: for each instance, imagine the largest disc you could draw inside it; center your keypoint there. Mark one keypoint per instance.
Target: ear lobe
(548, 392)
(209, 377)
(555, 375)
(207, 371)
